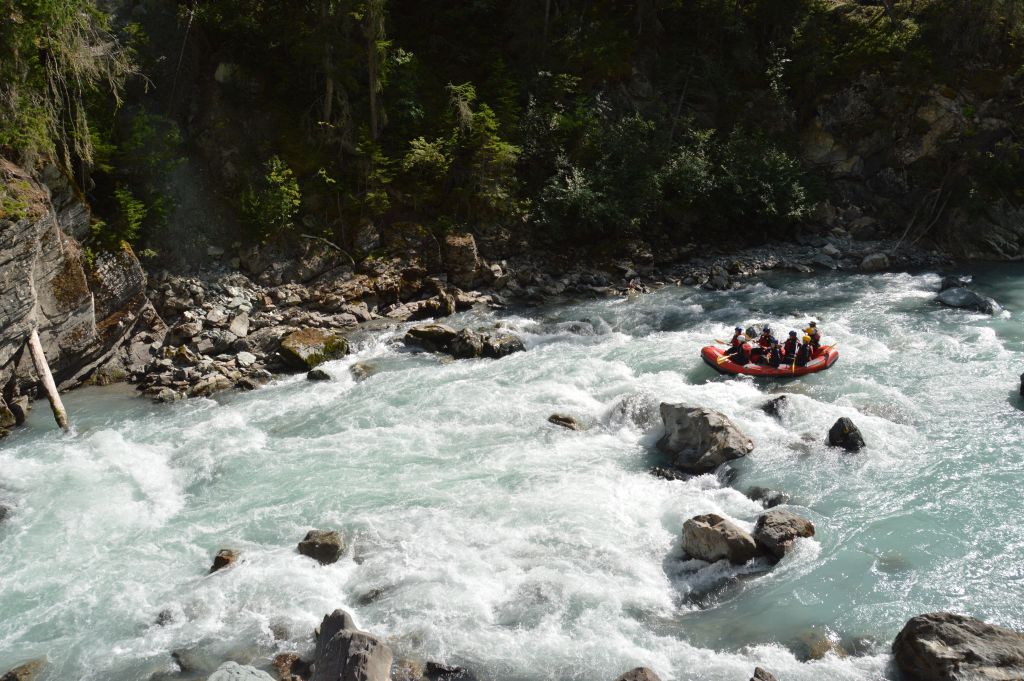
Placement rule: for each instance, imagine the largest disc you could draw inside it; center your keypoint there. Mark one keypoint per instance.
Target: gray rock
(467, 344)
(240, 325)
(324, 546)
(461, 261)
(761, 674)
(435, 671)
(245, 359)
(777, 530)
(307, 348)
(769, 498)
(954, 281)
(711, 537)
(639, 674)
(700, 439)
(362, 370)
(775, 407)
(640, 409)
(345, 654)
(966, 299)
(339, 620)
(565, 421)
(942, 646)
(317, 375)
(432, 337)
(502, 345)
(20, 407)
(232, 671)
(845, 434)
(875, 262)
(7, 418)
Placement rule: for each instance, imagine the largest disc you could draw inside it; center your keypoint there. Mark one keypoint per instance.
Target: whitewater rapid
(480, 535)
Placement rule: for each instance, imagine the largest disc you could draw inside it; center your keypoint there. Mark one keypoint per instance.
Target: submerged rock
(701, 439)
(954, 281)
(777, 530)
(845, 434)
(232, 671)
(223, 559)
(943, 646)
(639, 674)
(768, 497)
(565, 421)
(966, 299)
(304, 349)
(775, 407)
(362, 370)
(345, 654)
(27, 671)
(711, 537)
(324, 546)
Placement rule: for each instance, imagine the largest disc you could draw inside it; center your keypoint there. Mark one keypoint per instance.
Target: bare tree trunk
(46, 378)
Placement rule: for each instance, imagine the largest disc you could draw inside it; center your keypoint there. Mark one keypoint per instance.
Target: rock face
(232, 671)
(942, 646)
(223, 559)
(639, 674)
(324, 546)
(461, 259)
(711, 537)
(83, 313)
(304, 349)
(701, 439)
(966, 299)
(345, 654)
(777, 531)
(846, 435)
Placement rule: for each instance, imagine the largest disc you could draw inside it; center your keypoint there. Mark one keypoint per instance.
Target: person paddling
(790, 346)
(774, 355)
(737, 338)
(815, 335)
(803, 353)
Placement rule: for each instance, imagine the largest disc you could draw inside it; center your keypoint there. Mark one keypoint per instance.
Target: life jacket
(774, 357)
(737, 339)
(790, 346)
(803, 355)
(765, 341)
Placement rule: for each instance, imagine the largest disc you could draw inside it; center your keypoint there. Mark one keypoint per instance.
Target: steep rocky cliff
(85, 309)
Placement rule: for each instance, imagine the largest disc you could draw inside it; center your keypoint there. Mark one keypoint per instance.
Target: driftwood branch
(46, 378)
(333, 245)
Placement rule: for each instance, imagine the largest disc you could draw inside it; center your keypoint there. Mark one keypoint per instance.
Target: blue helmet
(767, 329)
(739, 329)
(792, 334)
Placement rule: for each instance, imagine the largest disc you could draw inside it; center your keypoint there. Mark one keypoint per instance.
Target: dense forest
(370, 122)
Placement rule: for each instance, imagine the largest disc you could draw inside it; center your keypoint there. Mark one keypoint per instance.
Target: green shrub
(271, 204)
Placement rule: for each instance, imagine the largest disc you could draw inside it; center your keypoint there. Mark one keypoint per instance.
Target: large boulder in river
(432, 337)
(344, 653)
(306, 348)
(639, 674)
(701, 439)
(845, 434)
(232, 671)
(966, 299)
(711, 537)
(224, 558)
(467, 344)
(777, 531)
(324, 546)
(942, 646)
(501, 345)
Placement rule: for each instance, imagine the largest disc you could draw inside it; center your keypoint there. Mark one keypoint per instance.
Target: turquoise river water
(482, 536)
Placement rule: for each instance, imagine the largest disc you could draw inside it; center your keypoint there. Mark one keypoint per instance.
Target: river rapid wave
(481, 535)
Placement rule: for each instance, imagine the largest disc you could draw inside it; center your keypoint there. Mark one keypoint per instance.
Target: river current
(480, 535)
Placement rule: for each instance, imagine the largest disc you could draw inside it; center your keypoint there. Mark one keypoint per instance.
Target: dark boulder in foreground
(942, 646)
(711, 537)
(344, 653)
(777, 530)
(324, 546)
(761, 674)
(845, 434)
(966, 299)
(223, 559)
(435, 671)
(701, 439)
(565, 421)
(317, 375)
(639, 674)
(29, 671)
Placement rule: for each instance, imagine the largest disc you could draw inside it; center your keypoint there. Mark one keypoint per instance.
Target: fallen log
(46, 378)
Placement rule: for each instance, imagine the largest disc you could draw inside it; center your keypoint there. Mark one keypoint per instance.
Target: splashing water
(481, 535)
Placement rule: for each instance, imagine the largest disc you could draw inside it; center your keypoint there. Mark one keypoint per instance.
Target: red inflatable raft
(823, 359)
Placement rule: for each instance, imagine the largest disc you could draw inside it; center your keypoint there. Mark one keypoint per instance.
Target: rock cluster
(711, 537)
(463, 344)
